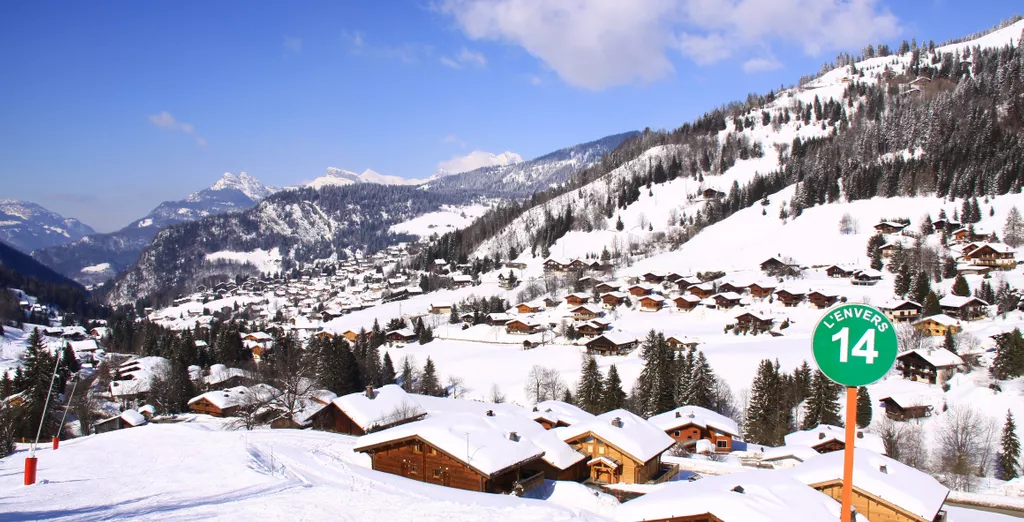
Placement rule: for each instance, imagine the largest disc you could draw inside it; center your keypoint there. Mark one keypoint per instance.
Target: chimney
(369, 392)
(490, 413)
(617, 422)
(738, 489)
(678, 415)
(884, 469)
(860, 434)
(821, 436)
(513, 436)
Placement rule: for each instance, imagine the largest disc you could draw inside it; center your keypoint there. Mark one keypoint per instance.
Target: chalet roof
(752, 496)
(999, 248)
(911, 490)
(467, 437)
(800, 453)
(404, 332)
(586, 308)
(561, 411)
(891, 224)
(133, 418)
(696, 415)
(823, 293)
(462, 278)
(731, 296)
(220, 373)
(707, 287)
(616, 338)
(757, 315)
(942, 319)
(498, 316)
(440, 305)
(138, 375)
(937, 357)
(688, 298)
(910, 400)
(899, 304)
(237, 396)
(683, 339)
(633, 435)
(617, 295)
(957, 301)
(824, 433)
(868, 273)
(653, 297)
(89, 345)
(526, 322)
(579, 295)
(390, 404)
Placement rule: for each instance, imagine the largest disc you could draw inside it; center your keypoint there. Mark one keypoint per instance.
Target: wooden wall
(630, 472)
(873, 509)
(333, 419)
(690, 433)
(417, 460)
(207, 407)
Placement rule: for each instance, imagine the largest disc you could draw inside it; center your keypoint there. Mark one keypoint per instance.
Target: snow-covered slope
(27, 226)
(335, 177)
(477, 159)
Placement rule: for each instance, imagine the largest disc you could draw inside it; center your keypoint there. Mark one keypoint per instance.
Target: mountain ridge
(28, 226)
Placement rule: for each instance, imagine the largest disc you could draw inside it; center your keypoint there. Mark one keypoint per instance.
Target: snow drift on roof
(390, 404)
(696, 415)
(637, 437)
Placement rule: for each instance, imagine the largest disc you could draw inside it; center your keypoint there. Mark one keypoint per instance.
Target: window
(432, 451)
(417, 447)
(723, 444)
(413, 468)
(675, 433)
(590, 438)
(437, 473)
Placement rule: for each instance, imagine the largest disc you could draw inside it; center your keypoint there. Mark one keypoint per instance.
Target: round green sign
(854, 344)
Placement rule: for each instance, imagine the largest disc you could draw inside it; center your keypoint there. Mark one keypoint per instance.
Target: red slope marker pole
(851, 438)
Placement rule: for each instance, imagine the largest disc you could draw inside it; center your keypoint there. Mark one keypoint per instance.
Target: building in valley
(370, 410)
(937, 325)
(688, 424)
(826, 438)
(612, 343)
(902, 310)
(931, 365)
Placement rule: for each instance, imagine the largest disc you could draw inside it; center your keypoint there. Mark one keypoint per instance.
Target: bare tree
(963, 443)
(847, 225)
(910, 338)
(457, 388)
(496, 396)
(904, 442)
(544, 384)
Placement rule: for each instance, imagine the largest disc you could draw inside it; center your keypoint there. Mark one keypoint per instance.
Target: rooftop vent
(860, 434)
(678, 415)
(369, 392)
(821, 436)
(513, 436)
(617, 422)
(490, 413)
(738, 489)
(884, 469)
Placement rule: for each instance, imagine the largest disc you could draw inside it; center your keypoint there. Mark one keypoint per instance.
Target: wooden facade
(605, 346)
(415, 459)
(822, 300)
(752, 322)
(650, 304)
(517, 326)
(577, 299)
(701, 291)
(838, 271)
(610, 465)
(914, 367)
(898, 412)
(904, 311)
(760, 291)
(639, 290)
(611, 300)
(526, 308)
(685, 304)
(726, 301)
(690, 433)
(204, 406)
(591, 329)
(873, 508)
(933, 328)
(331, 418)
(788, 298)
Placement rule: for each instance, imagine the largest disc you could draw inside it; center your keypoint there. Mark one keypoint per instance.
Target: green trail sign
(854, 344)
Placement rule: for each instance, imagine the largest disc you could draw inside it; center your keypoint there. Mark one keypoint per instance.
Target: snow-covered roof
(824, 433)
(937, 357)
(503, 317)
(690, 298)
(462, 278)
(220, 373)
(138, 375)
(466, 437)
(956, 301)
(999, 248)
(653, 297)
(752, 496)
(894, 482)
(390, 404)
(133, 417)
(942, 319)
(560, 411)
(617, 295)
(732, 296)
(404, 332)
(88, 345)
(237, 396)
(696, 415)
(893, 304)
(801, 453)
(617, 338)
(631, 434)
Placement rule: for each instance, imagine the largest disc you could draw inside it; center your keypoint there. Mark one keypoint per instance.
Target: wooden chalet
(612, 299)
(937, 325)
(681, 342)
(838, 271)
(457, 450)
(401, 336)
(788, 298)
(653, 278)
(623, 448)
(866, 277)
(688, 424)
(611, 343)
(754, 322)
(640, 290)
(967, 308)
(686, 302)
(731, 287)
(228, 402)
(651, 303)
(591, 328)
(522, 326)
(902, 311)
(902, 409)
(761, 290)
(527, 308)
(585, 313)
(498, 319)
(996, 255)
(127, 419)
(577, 299)
(554, 265)
(550, 302)
(774, 265)
(683, 283)
(604, 288)
(934, 366)
(710, 193)
(368, 411)
(884, 489)
(440, 308)
(821, 299)
(702, 290)
(945, 224)
(889, 227)
(726, 300)
(825, 438)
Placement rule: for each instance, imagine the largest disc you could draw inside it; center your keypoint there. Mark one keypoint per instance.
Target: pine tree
(931, 305)
(387, 372)
(948, 267)
(1009, 360)
(619, 225)
(960, 286)
(613, 397)
(921, 286)
(766, 422)
(429, 382)
(37, 378)
(875, 252)
(864, 407)
(822, 406)
(903, 279)
(371, 369)
(7, 386)
(702, 380)
(567, 397)
(975, 211)
(1013, 231)
(588, 390)
(1009, 454)
(453, 317)
(949, 342)
(802, 379)
(408, 377)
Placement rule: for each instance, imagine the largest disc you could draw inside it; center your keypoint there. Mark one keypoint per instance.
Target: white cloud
(475, 160)
(165, 120)
(600, 43)
(292, 45)
(409, 52)
(754, 65)
(536, 80)
(465, 58)
(453, 139)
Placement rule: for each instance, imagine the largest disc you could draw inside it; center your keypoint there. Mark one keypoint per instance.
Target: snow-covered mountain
(98, 257)
(335, 177)
(477, 159)
(27, 226)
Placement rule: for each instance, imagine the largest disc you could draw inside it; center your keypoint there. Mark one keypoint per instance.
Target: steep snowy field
(195, 470)
(446, 219)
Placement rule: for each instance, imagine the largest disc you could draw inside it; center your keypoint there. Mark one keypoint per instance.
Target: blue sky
(110, 108)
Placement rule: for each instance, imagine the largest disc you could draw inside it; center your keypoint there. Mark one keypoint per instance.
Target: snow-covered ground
(442, 221)
(267, 261)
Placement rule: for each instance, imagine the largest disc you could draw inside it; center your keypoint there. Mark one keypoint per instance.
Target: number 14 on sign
(865, 347)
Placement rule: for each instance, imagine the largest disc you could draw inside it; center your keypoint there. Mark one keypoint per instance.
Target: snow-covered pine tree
(387, 371)
(589, 388)
(702, 381)
(1013, 230)
(1008, 457)
(408, 377)
(960, 286)
(613, 397)
(864, 407)
(429, 383)
(903, 279)
(822, 405)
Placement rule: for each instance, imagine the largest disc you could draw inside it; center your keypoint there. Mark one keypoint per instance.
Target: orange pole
(30, 470)
(851, 438)
(56, 442)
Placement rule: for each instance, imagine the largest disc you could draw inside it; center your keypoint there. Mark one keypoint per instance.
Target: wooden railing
(526, 484)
